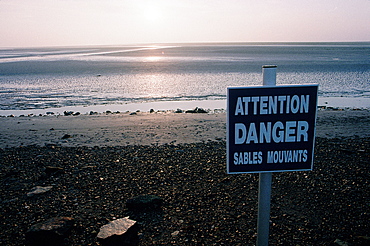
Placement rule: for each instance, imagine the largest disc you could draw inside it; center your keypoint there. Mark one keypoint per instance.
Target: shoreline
(157, 128)
(334, 103)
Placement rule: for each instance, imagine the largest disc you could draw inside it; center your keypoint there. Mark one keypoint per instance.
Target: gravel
(202, 205)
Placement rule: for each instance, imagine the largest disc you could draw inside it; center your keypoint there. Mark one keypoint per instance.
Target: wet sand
(152, 128)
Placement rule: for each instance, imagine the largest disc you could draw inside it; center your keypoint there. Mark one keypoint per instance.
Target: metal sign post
(265, 179)
(270, 129)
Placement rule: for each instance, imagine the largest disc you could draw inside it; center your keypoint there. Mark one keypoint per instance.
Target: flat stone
(50, 232)
(144, 202)
(119, 232)
(39, 190)
(51, 170)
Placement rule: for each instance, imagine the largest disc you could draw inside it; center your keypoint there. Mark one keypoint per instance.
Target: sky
(36, 23)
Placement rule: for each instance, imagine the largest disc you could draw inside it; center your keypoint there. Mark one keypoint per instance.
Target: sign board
(271, 129)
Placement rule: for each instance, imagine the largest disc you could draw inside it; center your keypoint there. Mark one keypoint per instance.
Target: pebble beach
(106, 159)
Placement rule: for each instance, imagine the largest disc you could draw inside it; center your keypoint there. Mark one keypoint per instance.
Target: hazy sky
(118, 22)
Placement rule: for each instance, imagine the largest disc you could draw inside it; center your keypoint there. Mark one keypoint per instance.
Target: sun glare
(152, 59)
(152, 14)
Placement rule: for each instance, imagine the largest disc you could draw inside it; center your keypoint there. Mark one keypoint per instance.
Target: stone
(340, 242)
(50, 232)
(67, 113)
(66, 136)
(53, 170)
(39, 190)
(119, 232)
(144, 202)
(197, 111)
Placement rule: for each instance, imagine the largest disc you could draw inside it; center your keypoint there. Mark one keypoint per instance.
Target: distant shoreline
(189, 44)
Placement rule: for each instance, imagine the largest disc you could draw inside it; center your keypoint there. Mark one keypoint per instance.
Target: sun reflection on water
(152, 59)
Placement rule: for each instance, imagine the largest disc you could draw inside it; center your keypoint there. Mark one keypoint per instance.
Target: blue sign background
(258, 152)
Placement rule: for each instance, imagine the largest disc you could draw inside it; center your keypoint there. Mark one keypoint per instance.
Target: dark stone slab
(144, 202)
(50, 232)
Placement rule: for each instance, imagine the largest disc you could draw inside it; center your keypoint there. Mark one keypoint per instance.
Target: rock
(39, 190)
(144, 202)
(50, 232)
(340, 242)
(67, 113)
(151, 110)
(133, 113)
(66, 136)
(52, 170)
(119, 232)
(179, 111)
(197, 111)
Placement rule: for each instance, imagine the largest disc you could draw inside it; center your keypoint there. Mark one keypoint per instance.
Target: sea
(171, 76)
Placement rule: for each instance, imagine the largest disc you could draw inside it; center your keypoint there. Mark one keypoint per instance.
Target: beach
(108, 158)
(160, 127)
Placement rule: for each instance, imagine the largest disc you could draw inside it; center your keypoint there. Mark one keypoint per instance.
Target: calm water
(82, 76)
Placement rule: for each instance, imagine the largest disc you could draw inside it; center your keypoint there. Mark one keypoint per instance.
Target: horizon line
(191, 43)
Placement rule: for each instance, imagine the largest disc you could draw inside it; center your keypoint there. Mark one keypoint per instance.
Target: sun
(152, 14)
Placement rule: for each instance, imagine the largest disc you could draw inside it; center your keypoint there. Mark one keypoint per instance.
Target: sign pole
(265, 179)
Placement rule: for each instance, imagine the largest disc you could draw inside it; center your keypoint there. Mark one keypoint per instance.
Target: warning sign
(271, 129)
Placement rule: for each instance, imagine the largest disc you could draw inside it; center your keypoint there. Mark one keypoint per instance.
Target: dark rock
(77, 113)
(144, 202)
(67, 113)
(52, 170)
(50, 232)
(151, 110)
(119, 232)
(133, 113)
(66, 136)
(197, 111)
(179, 111)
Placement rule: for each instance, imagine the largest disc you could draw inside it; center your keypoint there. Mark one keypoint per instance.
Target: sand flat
(152, 128)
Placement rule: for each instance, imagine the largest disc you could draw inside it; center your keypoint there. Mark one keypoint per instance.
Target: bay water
(174, 75)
